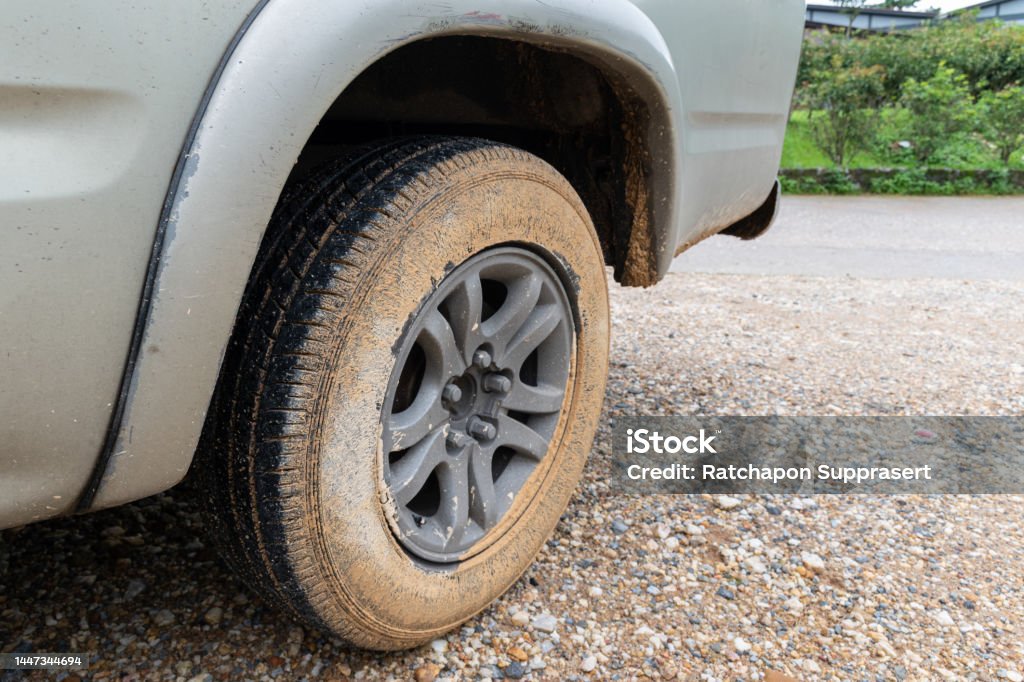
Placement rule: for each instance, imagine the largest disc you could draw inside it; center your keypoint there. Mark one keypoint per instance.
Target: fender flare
(288, 63)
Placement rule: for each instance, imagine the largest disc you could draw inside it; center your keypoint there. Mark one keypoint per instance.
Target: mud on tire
(293, 460)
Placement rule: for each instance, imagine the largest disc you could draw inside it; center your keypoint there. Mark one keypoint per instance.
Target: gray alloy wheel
(474, 400)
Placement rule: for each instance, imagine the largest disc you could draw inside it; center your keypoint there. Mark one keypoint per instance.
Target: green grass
(800, 151)
(964, 152)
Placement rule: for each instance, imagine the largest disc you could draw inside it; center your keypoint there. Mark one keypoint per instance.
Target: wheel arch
(291, 64)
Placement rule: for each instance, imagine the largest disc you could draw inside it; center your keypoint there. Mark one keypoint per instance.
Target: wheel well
(576, 113)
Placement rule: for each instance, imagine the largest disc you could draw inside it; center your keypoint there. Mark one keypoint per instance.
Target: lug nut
(452, 393)
(457, 439)
(497, 383)
(482, 359)
(481, 429)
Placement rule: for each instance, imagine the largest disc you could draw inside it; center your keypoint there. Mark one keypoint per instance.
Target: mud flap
(758, 222)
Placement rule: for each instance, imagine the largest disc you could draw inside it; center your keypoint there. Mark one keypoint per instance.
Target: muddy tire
(336, 447)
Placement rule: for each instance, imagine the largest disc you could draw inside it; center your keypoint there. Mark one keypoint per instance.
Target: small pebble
(727, 501)
(520, 618)
(813, 562)
(545, 623)
(427, 672)
(515, 670)
(163, 617)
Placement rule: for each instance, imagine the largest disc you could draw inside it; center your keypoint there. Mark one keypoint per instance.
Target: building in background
(883, 20)
(1010, 11)
(868, 19)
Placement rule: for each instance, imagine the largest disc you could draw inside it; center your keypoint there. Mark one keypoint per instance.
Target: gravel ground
(669, 587)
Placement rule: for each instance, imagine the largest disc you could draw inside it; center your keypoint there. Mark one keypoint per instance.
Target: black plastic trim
(758, 222)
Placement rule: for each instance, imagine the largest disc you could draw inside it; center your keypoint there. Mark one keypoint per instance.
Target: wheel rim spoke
(501, 328)
(466, 305)
(483, 507)
(409, 427)
(438, 342)
(410, 473)
(453, 513)
(518, 436)
(534, 399)
(541, 322)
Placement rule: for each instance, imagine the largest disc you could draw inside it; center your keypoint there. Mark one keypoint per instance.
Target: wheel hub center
(474, 400)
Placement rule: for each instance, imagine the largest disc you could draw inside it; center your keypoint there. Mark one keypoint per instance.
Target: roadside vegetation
(935, 110)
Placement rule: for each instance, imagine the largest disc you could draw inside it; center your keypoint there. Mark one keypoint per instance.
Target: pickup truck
(347, 263)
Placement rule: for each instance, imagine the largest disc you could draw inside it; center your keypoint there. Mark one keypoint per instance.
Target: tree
(1002, 120)
(939, 108)
(989, 53)
(852, 9)
(897, 4)
(843, 105)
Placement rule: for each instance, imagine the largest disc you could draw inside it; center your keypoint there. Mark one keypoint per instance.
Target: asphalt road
(977, 238)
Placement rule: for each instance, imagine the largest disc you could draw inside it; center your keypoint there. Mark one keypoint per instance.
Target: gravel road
(667, 587)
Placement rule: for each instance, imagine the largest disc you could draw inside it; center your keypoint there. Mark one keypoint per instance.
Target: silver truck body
(143, 147)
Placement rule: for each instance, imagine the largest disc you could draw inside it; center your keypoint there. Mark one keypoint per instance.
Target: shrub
(800, 185)
(909, 181)
(939, 108)
(1000, 183)
(842, 103)
(836, 181)
(1001, 120)
(946, 95)
(829, 181)
(989, 53)
(905, 181)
